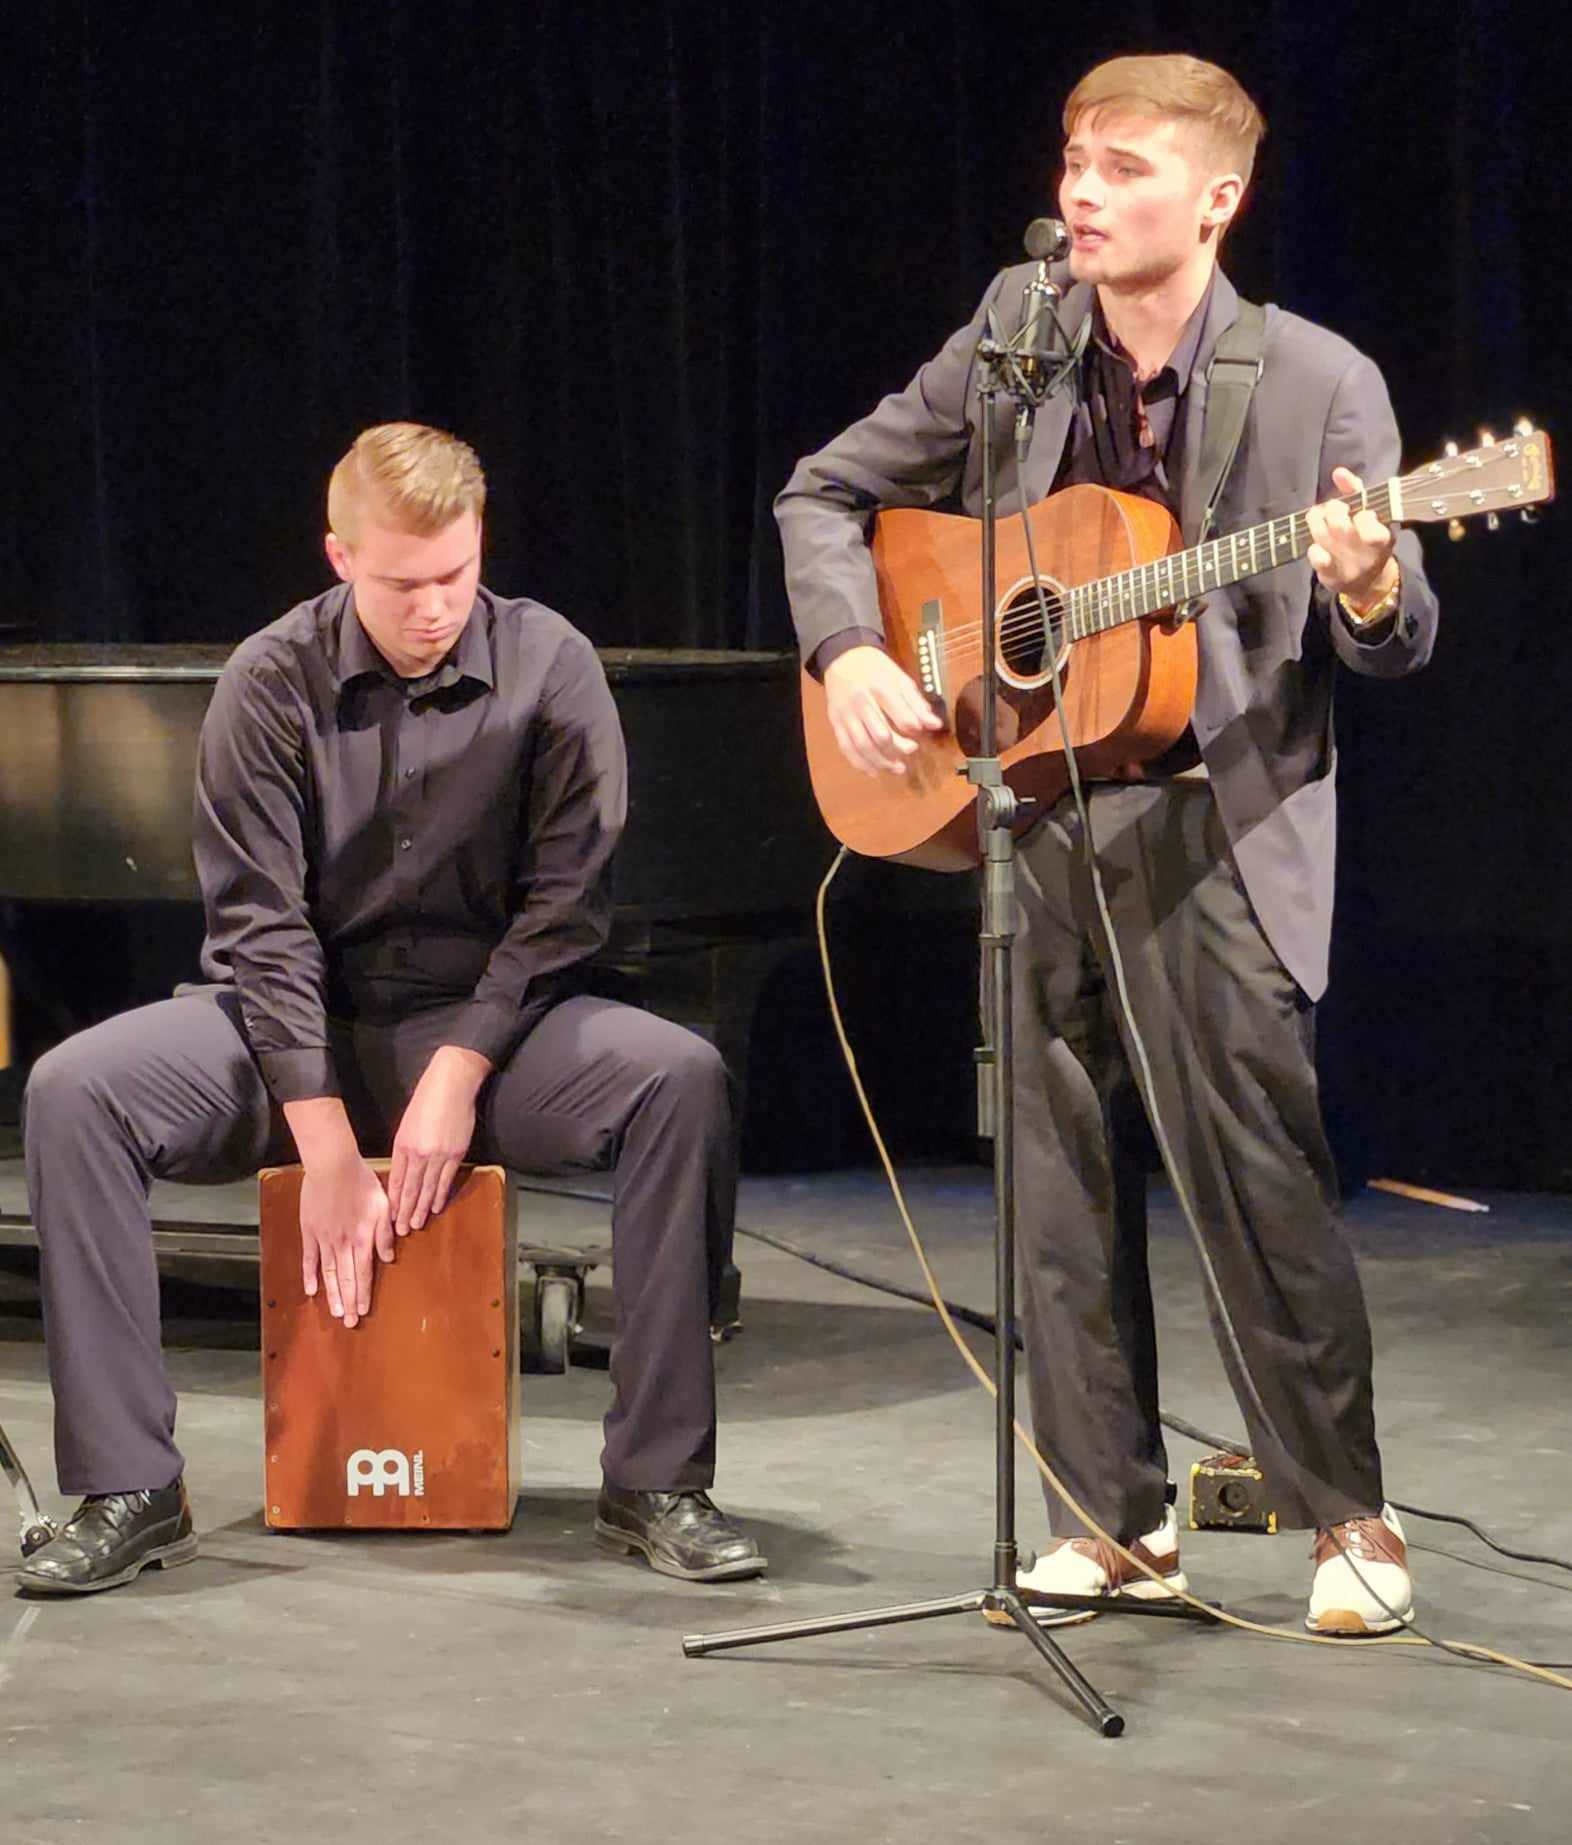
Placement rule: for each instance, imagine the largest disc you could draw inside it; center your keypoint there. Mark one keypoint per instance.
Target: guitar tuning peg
(1522, 427)
(1486, 440)
(1493, 522)
(1455, 529)
(1528, 515)
(1450, 451)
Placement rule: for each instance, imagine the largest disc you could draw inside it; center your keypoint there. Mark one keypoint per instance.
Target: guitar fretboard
(1090, 608)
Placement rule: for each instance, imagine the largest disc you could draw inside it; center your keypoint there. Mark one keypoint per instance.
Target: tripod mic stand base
(1084, 1607)
(1004, 1602)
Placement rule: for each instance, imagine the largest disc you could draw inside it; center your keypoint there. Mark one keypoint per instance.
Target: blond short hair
(407, 476)
(1223, 125)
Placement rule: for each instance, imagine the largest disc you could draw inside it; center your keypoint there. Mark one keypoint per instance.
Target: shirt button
(405, 844)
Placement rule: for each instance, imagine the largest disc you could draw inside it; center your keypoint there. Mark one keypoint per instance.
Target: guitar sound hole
(1026, 646)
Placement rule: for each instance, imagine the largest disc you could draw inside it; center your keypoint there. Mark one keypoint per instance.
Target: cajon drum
(408, 1420)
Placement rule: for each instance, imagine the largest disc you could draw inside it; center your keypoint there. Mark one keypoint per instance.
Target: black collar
(468, 658)
(1174, 376)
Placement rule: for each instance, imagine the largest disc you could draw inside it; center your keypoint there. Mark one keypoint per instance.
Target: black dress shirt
(369, 845)
(1125, 433)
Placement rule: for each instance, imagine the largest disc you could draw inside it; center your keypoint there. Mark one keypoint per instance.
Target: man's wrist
(1376, 602)
(463, 1068)
(322, 1132)
(844, 642)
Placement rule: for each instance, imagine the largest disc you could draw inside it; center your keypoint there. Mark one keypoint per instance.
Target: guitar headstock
(1512, 474)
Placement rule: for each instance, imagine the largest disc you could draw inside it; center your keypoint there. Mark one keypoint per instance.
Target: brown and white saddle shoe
(1361, 1584)
(1089, 1566)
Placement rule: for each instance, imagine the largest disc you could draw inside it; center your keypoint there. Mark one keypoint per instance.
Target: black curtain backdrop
(644, 255)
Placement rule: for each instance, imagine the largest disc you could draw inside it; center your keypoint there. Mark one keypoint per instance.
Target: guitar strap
(1231, 378)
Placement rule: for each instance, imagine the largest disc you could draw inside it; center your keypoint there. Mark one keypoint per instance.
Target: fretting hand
(1351, 552)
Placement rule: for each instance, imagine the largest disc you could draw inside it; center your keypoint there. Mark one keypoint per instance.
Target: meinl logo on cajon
(409, 1420)
(386, 1469)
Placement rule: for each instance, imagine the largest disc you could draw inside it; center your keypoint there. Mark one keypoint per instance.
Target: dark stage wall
(643, 255)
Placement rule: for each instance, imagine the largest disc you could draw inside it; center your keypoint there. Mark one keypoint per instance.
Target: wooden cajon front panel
(410, 1419)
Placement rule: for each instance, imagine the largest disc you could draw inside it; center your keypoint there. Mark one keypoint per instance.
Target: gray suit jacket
(1268, 647)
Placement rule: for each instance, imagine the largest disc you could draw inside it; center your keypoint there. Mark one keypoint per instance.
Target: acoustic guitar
(1115, 588)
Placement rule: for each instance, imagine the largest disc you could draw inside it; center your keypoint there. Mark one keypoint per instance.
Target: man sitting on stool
(408, 795)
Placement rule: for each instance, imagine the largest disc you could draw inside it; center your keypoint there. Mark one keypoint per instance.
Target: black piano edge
(83, 663)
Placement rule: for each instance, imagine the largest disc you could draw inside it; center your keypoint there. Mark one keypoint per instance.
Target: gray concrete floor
(525, 1686)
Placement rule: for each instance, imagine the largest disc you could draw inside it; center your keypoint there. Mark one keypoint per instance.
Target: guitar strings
(966, 638)
(1028, 621)
(1125, 584)
(1425, 483)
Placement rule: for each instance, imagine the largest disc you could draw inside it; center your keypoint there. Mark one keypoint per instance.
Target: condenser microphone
(1046, 240)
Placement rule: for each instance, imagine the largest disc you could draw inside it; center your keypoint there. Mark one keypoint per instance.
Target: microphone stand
(1029, 377)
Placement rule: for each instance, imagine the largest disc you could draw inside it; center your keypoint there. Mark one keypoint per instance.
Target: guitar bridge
(930, 655)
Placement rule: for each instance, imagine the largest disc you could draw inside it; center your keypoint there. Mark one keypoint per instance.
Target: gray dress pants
(1228, 1034)
(171, 1091)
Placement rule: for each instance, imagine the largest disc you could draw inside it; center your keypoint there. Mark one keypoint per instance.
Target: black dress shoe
(682, 1534)
(111, 1538)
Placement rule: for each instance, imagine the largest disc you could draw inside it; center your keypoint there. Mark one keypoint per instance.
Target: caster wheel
(556, 1302)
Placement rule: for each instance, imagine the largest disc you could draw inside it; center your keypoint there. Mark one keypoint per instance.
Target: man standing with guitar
(1216, 856)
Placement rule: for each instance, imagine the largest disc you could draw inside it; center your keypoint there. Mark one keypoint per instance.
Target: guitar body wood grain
(1128, 691)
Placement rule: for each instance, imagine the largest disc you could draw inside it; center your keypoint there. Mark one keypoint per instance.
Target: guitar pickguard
(1019, 712)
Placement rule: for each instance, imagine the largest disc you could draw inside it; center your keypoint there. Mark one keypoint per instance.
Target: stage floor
(526, 1686)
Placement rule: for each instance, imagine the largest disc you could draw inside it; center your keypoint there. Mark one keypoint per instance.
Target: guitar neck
(1183, 575)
